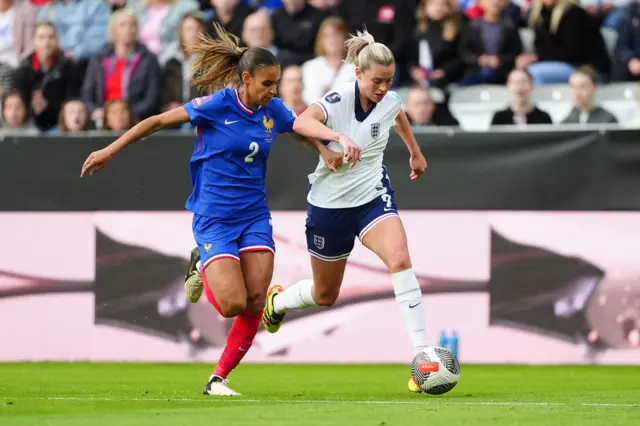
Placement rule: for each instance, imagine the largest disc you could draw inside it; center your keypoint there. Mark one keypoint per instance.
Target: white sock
(409, 298)
(297, 296)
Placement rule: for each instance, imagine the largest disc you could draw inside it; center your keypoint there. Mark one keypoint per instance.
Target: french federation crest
(375, 130)
(318, 242)
(268, 124)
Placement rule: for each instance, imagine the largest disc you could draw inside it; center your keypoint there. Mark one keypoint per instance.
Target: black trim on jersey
(361, 114)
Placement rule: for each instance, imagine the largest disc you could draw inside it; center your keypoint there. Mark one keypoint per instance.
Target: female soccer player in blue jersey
(231, 218)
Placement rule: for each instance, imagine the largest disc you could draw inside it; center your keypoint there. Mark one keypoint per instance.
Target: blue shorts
(331, 233)
(228, 238)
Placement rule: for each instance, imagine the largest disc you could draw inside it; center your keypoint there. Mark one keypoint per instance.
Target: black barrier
(577, 170)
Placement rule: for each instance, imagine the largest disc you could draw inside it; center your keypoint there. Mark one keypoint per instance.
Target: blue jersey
(229, 161)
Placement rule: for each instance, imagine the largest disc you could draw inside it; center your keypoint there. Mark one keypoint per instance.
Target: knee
(232, 307)
(256, 301)
(399, 260)
(325, 297)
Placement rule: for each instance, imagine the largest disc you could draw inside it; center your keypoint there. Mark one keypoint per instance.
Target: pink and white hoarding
(518, 287)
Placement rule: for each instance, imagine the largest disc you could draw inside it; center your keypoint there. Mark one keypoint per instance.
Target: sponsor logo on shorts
(318, 242)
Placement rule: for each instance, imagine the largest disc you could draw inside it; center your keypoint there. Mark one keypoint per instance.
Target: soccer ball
(435, 370)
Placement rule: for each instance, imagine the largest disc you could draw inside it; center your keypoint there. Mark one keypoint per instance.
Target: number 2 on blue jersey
(254, 147)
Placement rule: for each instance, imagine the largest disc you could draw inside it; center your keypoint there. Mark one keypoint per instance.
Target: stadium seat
(554, 99)
(528, 38)
(474, 106)
(619, 99)
(610, 39)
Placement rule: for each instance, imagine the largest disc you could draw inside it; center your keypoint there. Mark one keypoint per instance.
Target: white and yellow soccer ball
(435, 370)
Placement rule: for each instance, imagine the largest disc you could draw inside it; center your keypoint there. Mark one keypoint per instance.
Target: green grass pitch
(170, 394)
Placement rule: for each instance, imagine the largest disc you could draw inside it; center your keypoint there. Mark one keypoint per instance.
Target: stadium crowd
(76, 65)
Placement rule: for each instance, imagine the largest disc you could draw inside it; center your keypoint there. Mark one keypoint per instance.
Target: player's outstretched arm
(417, 162)
(311, 124)
(99, 159)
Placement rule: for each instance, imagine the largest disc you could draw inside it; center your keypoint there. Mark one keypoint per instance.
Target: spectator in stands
(489, 46)
(177, 63)
(609, 13)
(158, 21)
(230, 14)
(422, 111)
(327, 69)
(436, 60)
(82, 25)
(296, 25)
(17, 20)
(291, 88)
(390, 22)
(627, 52)
(328, 6)
(118, 116)
(7, 78)
(566, 37)
(511, 11)
(584, 83)
(258, 32)
(15, 114)
(522, 111)
(74, 117)
(46, 77)
(125, 69)
(116, 4)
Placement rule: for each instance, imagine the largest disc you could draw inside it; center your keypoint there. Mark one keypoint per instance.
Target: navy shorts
(331, 233)
(228, 238)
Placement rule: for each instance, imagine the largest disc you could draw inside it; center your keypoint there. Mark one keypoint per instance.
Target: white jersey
(354, 187)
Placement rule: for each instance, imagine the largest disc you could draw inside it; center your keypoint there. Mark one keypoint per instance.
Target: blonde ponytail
(363, 51)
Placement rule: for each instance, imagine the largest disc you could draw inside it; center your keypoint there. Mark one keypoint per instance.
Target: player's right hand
(351, 150)
(333, 160)
(96, 161)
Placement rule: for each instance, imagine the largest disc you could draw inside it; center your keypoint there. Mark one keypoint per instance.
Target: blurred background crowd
(76, 65)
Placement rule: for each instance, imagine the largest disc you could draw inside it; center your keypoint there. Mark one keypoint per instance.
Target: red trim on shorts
(219, 257)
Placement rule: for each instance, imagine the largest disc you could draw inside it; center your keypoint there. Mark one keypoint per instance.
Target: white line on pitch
(327, 401)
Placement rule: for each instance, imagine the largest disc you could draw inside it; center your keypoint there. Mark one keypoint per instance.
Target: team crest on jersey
(268, 128)
(375, 130)
(318, 242)
(333, 98)
(268, 123)
(198, 102)
(207, 247)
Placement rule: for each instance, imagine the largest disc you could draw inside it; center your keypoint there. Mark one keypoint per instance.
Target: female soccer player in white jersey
(357, 199)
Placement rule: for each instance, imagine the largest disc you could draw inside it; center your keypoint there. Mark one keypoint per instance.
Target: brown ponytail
(221, 61)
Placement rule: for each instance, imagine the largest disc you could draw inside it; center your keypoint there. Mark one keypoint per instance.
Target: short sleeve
(284, 116)
(206, 109)
(398, 103)
(330, 104)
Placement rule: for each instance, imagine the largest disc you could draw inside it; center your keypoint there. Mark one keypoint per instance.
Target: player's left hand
(418, 165)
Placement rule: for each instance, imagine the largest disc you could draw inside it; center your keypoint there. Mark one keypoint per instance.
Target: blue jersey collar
(241, 104)
(361, 114)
